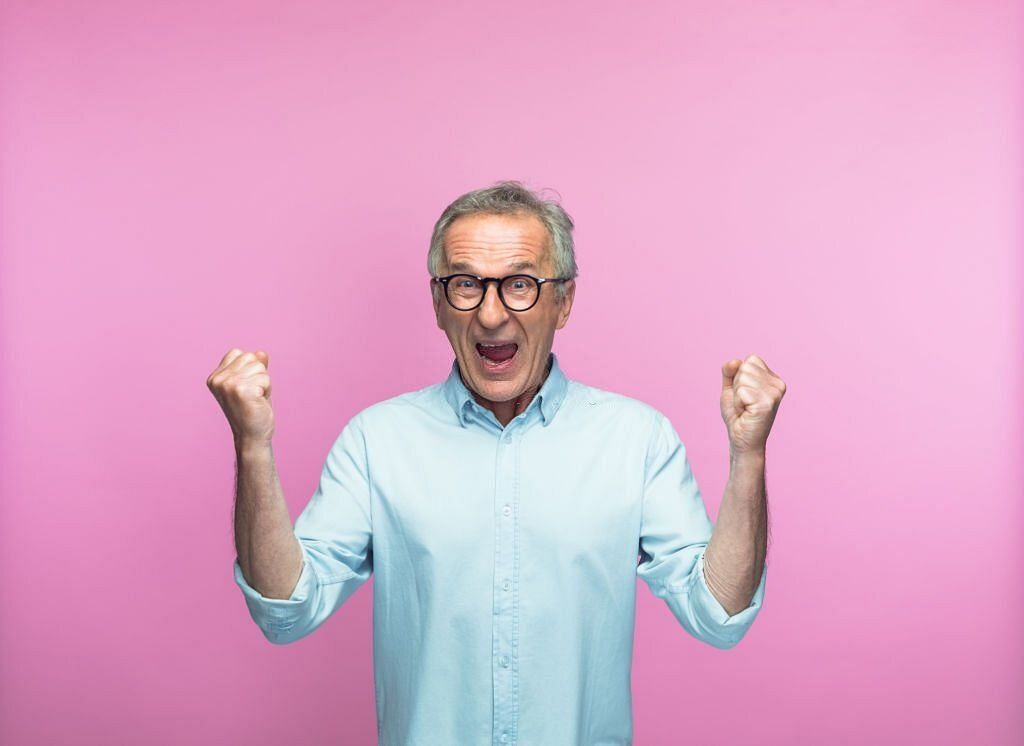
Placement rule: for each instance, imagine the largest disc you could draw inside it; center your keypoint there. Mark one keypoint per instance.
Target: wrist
(746, 457)
(250, 450)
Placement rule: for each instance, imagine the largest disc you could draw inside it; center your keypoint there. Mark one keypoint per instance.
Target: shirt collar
(549, 398)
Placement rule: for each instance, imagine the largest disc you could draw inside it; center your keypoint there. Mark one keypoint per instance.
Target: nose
(492, 312)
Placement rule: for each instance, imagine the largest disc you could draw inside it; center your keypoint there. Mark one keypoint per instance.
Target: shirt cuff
(728, 630)
(277, 616)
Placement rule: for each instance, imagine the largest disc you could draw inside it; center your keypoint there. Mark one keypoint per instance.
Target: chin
(498, 390)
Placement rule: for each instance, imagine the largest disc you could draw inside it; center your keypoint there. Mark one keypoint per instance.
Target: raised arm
(735, 556)
(292, 578)
(268, 552)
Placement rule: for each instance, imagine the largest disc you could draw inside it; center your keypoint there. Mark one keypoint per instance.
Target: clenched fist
(241, 385)
(751, 393)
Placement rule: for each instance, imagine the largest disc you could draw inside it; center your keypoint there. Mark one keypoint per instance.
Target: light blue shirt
(505, 560)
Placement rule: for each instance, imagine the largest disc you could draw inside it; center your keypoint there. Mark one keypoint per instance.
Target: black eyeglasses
(517, 292)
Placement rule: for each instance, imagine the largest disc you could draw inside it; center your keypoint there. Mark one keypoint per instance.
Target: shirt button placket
(505, 613)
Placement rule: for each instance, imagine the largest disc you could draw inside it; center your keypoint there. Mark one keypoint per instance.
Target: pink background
(837, 189)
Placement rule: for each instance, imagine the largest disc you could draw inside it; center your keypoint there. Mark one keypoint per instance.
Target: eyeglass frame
(443, 281)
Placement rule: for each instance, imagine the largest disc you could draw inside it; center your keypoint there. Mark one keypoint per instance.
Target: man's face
(497, 246)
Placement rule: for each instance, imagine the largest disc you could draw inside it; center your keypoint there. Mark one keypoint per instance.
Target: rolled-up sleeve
(674, 533)
(335, 533)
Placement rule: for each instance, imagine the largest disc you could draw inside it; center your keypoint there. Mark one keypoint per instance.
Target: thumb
(728, 371)
(263, 357)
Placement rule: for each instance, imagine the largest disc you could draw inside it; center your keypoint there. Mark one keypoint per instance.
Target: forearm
(735, 556)
(268, 552)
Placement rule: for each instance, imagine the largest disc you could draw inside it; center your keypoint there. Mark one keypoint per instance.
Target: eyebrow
(463, 266)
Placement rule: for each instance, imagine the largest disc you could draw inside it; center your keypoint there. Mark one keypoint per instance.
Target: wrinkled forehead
(486, 243)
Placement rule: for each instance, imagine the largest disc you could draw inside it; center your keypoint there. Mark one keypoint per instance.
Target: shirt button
(504, 661)
(506, 585)
(504, 737)
(508, 437)
(508, 510)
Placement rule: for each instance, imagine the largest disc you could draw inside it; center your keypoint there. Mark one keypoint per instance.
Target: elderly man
(507, 511)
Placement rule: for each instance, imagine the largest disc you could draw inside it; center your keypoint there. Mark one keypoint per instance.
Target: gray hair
(511, 197)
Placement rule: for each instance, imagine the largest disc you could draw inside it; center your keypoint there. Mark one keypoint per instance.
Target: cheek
(454, 328)
(543, 324)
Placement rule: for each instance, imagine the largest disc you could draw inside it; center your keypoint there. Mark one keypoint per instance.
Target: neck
(506, 411)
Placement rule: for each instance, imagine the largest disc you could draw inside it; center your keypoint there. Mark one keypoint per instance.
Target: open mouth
(497, 358)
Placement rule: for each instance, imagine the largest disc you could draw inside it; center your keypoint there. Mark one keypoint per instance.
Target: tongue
(497, 354)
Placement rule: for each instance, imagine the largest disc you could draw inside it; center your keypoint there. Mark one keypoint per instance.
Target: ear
(566, 303)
